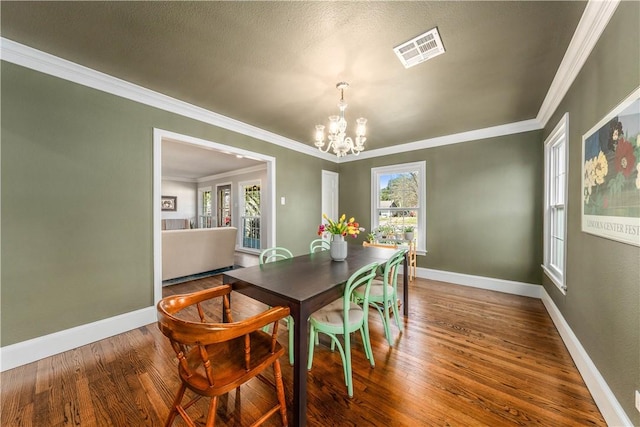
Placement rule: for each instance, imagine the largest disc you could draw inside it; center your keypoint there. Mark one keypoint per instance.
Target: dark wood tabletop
(305, 283)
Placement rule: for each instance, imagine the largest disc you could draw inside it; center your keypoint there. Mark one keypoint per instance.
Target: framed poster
(611, 174)
(169, 203)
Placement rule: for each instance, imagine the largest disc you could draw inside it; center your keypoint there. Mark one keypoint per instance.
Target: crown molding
(472, 135)
(594, 20)
(43, 62)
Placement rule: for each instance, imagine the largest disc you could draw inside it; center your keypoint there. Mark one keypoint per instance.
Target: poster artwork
(611, 174)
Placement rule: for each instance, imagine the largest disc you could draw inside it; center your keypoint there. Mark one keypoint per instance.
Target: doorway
(268, 191)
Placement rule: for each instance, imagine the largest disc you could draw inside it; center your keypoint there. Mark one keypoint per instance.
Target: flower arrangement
(341, 227)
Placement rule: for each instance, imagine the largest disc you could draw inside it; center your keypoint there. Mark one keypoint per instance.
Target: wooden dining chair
(383, 294)
(412, 264)
(318, 245)
(272, 255)
(216, 358)
(343, 317)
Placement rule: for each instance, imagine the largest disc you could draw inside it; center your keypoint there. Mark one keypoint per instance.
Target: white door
(330, 193)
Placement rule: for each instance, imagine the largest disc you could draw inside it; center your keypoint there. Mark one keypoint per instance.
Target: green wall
(484, 200)
(602, 304)
(77, 209)
(76, 206)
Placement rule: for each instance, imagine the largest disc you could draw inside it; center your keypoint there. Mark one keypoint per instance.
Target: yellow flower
(601, 167)
(342, 227)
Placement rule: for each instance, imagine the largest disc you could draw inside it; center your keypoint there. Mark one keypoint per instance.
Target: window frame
(421, 168)
(556, 167)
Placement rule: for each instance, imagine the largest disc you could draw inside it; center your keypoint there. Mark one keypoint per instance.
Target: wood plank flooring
(466, 357)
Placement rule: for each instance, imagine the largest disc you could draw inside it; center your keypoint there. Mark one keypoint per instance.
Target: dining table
(306, 283)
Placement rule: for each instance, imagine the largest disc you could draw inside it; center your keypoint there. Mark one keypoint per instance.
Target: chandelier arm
(326, 149)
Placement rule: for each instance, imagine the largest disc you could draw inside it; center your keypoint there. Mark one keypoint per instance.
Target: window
(398, 200)
(204, 207)
(555, 212)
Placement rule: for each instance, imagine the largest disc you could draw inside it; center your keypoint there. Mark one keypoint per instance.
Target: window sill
(555, 279)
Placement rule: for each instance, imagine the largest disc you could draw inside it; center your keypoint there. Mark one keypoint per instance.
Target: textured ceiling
(274, 65)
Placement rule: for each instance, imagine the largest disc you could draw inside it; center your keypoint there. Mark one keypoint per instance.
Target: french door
(223, 205)
(250, 213)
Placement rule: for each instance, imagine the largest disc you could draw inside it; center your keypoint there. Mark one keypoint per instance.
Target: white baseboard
(606, 401)
(24, 352)
(609, 406)
(506, 286)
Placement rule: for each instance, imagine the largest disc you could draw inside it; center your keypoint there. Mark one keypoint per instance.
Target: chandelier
(338, 140)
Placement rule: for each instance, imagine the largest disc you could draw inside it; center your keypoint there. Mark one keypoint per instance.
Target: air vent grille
(419, 49)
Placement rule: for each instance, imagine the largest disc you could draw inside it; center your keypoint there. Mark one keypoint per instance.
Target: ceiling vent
(419, 49)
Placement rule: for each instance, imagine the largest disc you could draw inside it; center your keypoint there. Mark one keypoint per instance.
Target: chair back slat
(247, 352)
(319, 245)
(274, 254)
(390, 274)
(364, 275)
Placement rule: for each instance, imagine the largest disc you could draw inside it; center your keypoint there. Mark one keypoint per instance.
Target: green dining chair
(343, 317)
(318, 245)
(383, 294)
(272, 255)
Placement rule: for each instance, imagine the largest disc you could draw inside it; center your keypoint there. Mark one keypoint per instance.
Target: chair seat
(229, 368)
(377, 291)
(332, 316)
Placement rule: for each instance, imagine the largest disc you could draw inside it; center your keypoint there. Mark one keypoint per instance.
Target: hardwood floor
(466, 357)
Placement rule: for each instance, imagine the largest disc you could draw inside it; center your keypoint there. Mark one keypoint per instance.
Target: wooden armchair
(215, 358)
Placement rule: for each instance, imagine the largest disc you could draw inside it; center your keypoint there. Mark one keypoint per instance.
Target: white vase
(338, 247)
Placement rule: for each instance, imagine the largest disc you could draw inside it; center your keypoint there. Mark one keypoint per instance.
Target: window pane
(206, 203)
(557, 259)
(398, 190)
(205, 216)
(559, 224)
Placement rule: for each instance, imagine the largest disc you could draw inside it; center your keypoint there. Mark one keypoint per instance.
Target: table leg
(405, 284)
(301, 351)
